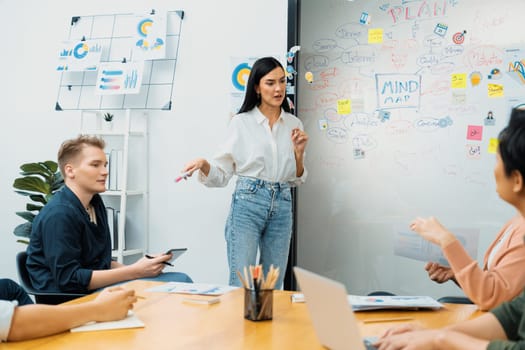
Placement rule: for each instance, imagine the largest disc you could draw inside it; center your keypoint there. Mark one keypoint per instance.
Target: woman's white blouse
(252, 149)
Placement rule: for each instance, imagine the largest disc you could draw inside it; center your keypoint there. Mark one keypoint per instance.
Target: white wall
(185, 214)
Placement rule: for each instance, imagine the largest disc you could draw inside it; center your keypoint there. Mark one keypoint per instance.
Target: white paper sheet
(131, 321)
(192, 288)
(411, 245)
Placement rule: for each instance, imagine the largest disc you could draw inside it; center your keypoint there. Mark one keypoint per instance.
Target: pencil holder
(258, 304)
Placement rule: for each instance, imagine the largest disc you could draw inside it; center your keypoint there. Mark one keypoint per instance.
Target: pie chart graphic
(240, 76)
(143, 27)
(80, 51)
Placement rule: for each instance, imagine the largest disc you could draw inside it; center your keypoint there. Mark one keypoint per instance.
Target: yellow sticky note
(495, 90)
(344, 106)
(375, 35)
(493, 145)
(459, 81)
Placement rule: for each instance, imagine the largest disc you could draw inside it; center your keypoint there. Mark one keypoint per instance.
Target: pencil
(140, 297)
(246, 277)
(242, 280)
(391, 319)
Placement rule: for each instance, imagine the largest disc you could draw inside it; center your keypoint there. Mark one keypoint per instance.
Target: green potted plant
(39, 182)
(108, 118)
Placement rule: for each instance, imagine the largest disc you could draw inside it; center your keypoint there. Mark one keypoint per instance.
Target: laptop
(331, 313)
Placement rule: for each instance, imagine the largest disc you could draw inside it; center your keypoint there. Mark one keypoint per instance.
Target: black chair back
(455, 300)
(51, 298)
(380, 292)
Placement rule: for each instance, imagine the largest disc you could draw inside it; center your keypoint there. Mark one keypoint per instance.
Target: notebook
(131, 321)
(331, 313)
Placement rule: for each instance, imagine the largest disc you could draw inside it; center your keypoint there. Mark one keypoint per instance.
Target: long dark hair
(512, 143)
(260, 68)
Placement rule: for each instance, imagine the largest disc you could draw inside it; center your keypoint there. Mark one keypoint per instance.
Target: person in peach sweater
(502, 276)
(503, 328)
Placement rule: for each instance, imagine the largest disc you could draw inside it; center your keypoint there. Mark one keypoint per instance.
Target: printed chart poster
(149, 41)
(79, 56)
(116, 78)
(515, 61)
(411, 245)
(240, 71)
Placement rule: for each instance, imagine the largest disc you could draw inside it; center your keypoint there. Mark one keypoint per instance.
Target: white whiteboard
(408, 147)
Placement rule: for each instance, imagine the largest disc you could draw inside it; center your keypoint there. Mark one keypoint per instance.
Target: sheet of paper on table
(131, 321)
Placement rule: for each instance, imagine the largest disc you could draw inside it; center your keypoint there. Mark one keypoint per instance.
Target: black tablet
(176, 252)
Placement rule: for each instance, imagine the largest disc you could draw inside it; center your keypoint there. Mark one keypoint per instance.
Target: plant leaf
(57, 182)
(35, 169)
(32, 183)
(37, 198)
(33, 207)
(51, 165)
(24, 193)
(23, 230)
(56, 187)
(27, 215)
(39, 182)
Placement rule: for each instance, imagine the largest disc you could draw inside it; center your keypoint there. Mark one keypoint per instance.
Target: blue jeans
(10, 290)
(260, 219)
(163, 277)
(169, 277)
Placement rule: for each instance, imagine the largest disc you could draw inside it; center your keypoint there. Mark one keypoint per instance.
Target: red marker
(183, 176)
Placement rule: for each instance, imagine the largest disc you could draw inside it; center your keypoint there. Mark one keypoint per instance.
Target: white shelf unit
(127, 133)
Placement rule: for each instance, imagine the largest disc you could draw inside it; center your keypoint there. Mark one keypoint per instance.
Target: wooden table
(174, 324)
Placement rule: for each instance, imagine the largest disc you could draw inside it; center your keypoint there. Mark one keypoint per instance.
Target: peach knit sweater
(504, 280)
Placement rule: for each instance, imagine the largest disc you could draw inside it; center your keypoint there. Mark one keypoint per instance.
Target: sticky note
(495, 90)
(458, 81)
(344, 106)
(358, 105)
(474, 151)
(493, 145)
(375, 36)
(459, 97)
(474, 132)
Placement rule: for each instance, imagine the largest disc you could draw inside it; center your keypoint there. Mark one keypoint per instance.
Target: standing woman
(264, 147)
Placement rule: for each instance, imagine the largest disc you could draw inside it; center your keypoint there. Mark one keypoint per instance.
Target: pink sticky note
(474, 132)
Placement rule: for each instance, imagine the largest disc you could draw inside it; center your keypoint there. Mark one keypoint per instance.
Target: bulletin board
(406, 102)
(77, 89)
